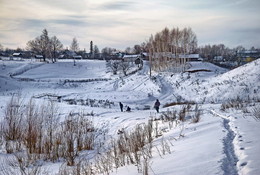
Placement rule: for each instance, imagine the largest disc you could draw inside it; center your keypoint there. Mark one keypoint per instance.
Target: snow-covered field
(224, 141)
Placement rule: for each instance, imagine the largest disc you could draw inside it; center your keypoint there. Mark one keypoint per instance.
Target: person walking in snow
(121, 106)
(157, 105)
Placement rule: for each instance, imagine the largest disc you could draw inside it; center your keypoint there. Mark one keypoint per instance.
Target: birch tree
(165, 48)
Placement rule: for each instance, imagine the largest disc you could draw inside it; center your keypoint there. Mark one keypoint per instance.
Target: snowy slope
(223, 142)
(216, 86)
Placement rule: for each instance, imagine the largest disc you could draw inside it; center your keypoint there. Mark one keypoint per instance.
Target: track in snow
(230, 161)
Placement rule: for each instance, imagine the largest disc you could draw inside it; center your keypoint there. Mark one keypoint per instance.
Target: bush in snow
(113, 66)
(37, 131)
(12, 125)
(197, 116)
(256, 112)
(233, 103)
(124, 67)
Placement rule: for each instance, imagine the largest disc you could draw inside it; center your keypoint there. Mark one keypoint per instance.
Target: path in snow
(230, 161)
(166, 88)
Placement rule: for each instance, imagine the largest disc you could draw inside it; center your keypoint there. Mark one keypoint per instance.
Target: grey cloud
(3, 36)
(251, 30)
(33, 22)
(75, 5)
(120, 5)
(74, 22)
(67, 20)
(210, 5)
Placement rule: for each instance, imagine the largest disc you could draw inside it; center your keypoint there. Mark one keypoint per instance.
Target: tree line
(169, 44)
(229, 54)
(162, 47)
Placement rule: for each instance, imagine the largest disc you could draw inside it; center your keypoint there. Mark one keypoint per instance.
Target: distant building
(67, 54)
(218, 58)
(245, 56)
(190, 57)
(17, 54)
(130, 58)
(77, 57)
(38, 56)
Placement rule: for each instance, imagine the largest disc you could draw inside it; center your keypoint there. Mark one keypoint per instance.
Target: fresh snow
(223, 142)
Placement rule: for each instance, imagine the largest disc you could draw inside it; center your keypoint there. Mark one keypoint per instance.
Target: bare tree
(166, 46)
(44, 45)
(41, 45)
(128, 50)
(113, 66)
(74, 47)
(151, 52)
(96, 51)
(56, 46)
(124, 66)
(137, 49)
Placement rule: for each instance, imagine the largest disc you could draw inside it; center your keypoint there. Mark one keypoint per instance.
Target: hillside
(224, 140)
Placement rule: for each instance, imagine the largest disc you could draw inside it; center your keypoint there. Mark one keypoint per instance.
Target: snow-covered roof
(38, 56)
(17, 54)
(77, 56)
(131, 56)
(172, 55)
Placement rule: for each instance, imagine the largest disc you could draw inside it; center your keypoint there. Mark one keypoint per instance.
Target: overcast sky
(123, 23)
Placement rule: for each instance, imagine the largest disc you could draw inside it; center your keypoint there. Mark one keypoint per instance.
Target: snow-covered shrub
(165, 147)
(233, 103)
(169, 116)
(124, 66)
(128, 148)
(182, 114)
(197, 116)
(113, 66)
(256, 112)
(12, 125)
(37, 131)
(19, 164)
(90, 102)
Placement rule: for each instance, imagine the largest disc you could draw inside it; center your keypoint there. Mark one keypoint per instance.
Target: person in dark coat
(157, 105)
(121, 106)
(128, 109)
